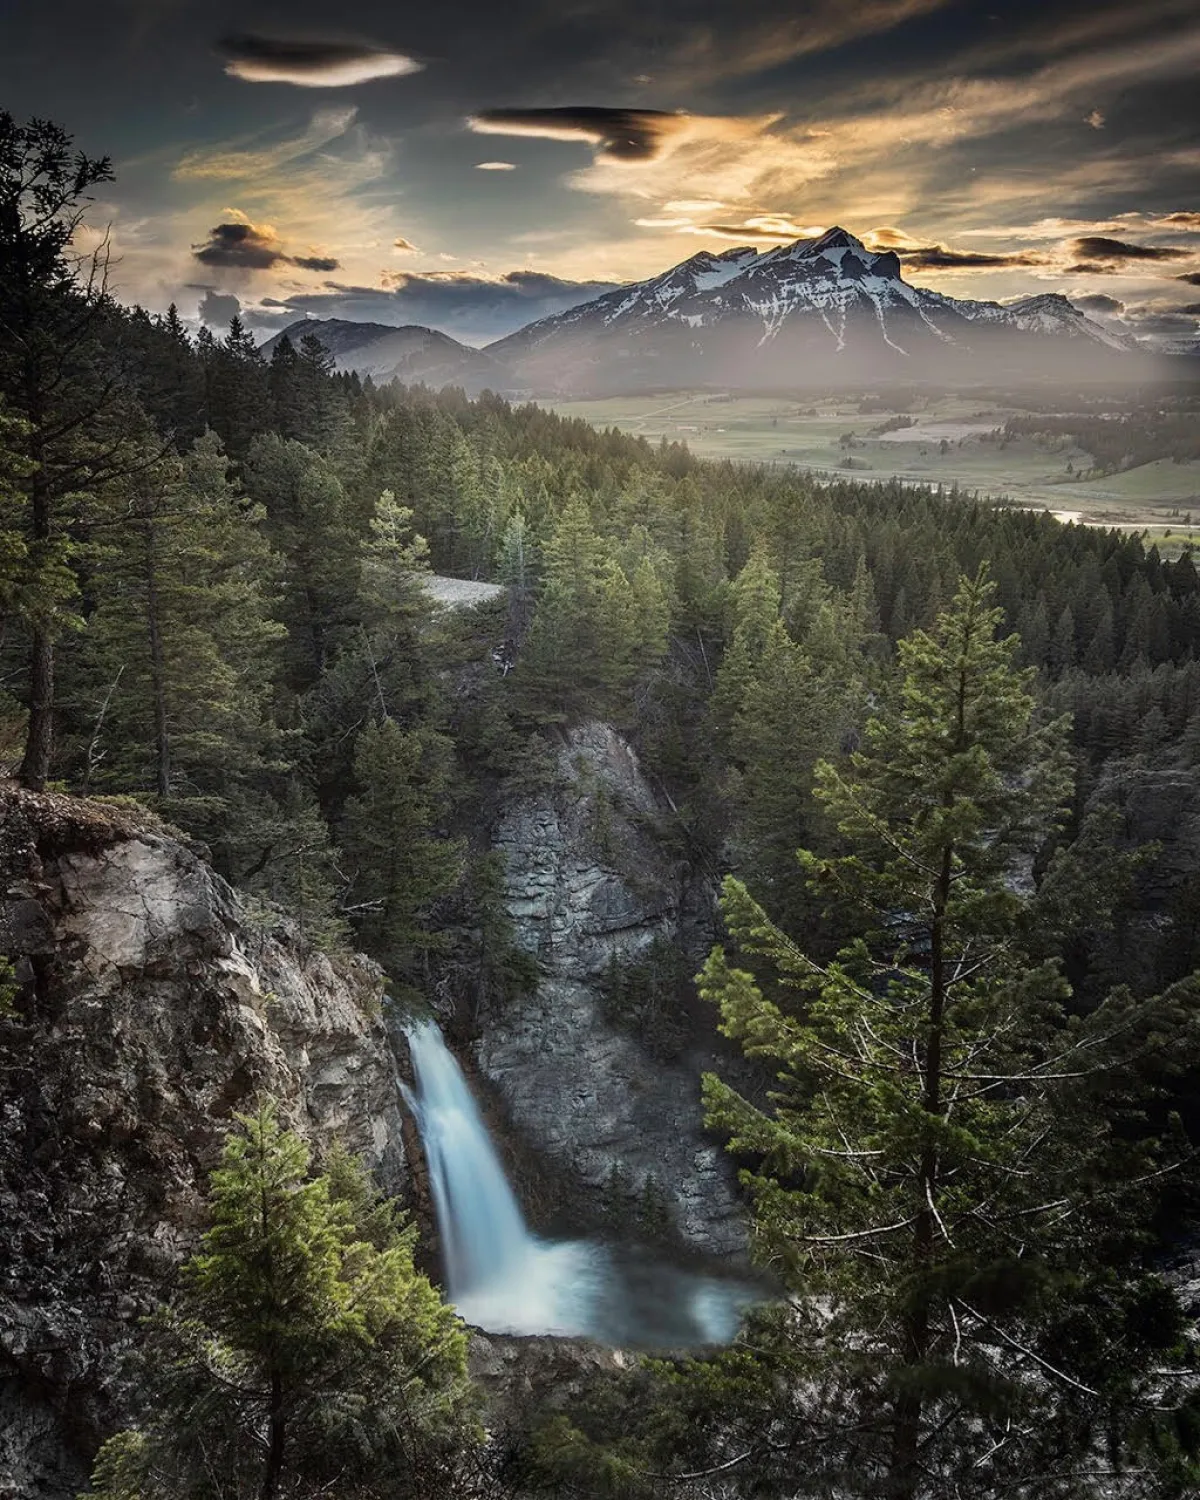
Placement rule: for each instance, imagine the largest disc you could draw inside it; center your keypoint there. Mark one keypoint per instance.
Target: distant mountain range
(819, 312)
(415, 356)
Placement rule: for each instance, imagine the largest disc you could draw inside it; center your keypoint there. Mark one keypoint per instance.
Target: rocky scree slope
(151, 1009)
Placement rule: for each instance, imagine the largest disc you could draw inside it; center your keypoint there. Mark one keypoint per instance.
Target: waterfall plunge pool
(504, 1279)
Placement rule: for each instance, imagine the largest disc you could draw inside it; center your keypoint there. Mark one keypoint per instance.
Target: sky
(475, 164)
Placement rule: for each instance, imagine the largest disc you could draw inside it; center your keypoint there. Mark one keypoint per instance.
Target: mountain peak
(1045, 302)
(836, 238)
(820, 309)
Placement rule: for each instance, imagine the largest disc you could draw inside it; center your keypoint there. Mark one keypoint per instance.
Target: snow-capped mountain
(1047, 313)
(816, 312)
(820, 312)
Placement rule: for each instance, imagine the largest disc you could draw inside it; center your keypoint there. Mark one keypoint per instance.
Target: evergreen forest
(923, 745)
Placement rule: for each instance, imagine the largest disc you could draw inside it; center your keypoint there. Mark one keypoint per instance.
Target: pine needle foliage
(305, 1354)
(934, 1176)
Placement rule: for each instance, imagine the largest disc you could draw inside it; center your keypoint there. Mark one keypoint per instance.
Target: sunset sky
(472, 166)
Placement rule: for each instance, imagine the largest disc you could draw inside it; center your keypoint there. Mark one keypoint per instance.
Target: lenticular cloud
(310, 63)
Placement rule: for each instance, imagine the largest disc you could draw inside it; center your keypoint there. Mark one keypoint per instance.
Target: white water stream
(504, 1279)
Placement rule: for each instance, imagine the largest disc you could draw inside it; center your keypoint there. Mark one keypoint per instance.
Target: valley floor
(832, 437)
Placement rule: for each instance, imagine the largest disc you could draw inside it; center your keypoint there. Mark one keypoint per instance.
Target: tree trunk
(275, 1440)
(39, 737)
(908, 1409)
(162, 739)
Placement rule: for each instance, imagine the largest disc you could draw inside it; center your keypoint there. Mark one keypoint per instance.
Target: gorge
(504, 1279)
(454, 856)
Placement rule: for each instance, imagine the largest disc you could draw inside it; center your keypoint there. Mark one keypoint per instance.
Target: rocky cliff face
(587, 883)
(152, 1008)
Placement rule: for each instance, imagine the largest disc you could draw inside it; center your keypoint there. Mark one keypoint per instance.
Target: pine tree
(311, 524)
(395, 558)
(517, 569)
(239, 397)
(590, 633)
(61, 380)
(397, 864)
(1062, 644)
(940, 1184)
(320, 407)
(789, 715)
(180, 653)
(305, 1355)
(755, 604)
(171, 387)
(287, 406)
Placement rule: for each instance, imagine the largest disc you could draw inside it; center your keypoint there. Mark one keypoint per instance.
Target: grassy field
(950, 444)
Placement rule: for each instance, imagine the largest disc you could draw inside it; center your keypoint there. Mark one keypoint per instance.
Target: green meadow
(952, 443)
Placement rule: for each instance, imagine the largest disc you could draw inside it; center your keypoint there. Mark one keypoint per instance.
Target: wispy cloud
(741, 162)
(768, 34)
(909, 142)
(755, 229)
(250, 159)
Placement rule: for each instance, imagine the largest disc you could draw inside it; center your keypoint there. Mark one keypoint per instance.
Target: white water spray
(507, 1280)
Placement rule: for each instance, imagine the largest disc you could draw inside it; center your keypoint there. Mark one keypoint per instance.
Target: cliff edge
(152, 1005)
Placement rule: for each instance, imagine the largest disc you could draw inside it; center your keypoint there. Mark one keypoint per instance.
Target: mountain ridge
(410, 353)
(816, 312)
(824, 310)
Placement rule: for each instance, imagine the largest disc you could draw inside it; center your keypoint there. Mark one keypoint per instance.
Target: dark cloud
(1098, 247)
(1163, 322)
(1100, 302)
(1192, 309)
(310, 62)
(247, 247)
(945, 258)
(240, 246)
(1191, 277)
(467, 306)
(618, 134)
(745, 234)
(941, 257)
(216, 308)
(1183, 220)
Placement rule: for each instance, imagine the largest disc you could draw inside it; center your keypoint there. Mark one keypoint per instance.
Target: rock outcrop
(588, 882)
(152, 1007)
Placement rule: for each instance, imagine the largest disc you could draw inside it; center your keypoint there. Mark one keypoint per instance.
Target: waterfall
(505, 1279)
(498, 1275)
(483, 1233)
